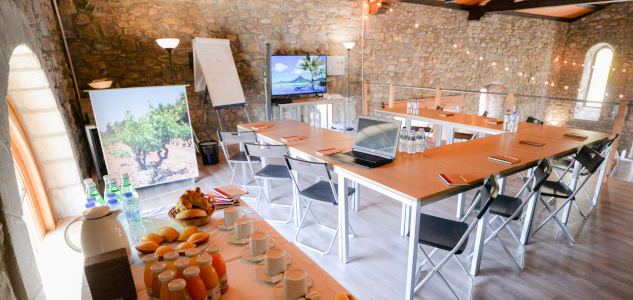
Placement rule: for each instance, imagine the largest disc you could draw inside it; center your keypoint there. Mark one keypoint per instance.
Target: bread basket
(193, 221)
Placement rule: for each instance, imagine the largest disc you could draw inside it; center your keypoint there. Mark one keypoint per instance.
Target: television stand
(300, 102)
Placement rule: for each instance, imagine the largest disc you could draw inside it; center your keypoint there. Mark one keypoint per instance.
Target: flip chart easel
(216, 74)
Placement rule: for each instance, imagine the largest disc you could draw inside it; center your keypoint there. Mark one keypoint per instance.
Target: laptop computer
(375, 143)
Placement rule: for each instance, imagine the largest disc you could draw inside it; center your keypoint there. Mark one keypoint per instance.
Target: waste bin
(209, 152)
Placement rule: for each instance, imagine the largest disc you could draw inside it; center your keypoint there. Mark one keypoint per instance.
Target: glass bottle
(149, 260)
(165, 277)
(220, 267)
(416, 107)
(409, 106)
(86, 182)
(419, 141)
(402, 142)
(209, 276)
(114, 204)
(177, 290)
(93, 192)
(411, 142)
(181, 264)
(506, 120)
(193, 255)
(195, 286)
(156, 269)
(170, 260)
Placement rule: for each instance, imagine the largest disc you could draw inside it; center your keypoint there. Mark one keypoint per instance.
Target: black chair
(590, 160)
(508, 208)
(452, 236)
(534, 120)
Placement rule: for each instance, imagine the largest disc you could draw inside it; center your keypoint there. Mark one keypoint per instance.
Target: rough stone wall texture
(30, 23)
(116, 39)
(612, 25)
(445, 48)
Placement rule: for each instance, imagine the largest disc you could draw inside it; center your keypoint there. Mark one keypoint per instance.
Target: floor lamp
(348, 46)
(169, 45)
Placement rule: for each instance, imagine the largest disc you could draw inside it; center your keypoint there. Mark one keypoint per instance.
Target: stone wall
(116, 39)
(33, 24)
(612, 25)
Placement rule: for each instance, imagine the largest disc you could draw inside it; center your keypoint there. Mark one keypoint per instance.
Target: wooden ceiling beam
(495, 6)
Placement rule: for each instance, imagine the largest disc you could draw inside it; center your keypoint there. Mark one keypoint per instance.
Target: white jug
(100, 232)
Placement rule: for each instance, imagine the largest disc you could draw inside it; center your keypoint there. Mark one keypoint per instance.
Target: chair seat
(273, 172)
(463, 135)
(442, 233)
(322, 191)
(555, 189)
(564, 162)
(241, 157)
(503, 206)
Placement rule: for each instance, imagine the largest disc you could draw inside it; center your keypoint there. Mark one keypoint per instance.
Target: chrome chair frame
(226, 138)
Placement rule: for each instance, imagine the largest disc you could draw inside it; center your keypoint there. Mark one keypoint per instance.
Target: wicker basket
(193, 221)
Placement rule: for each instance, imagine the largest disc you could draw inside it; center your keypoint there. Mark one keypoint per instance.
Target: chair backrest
(488, 193)
(231, 137)
(604, 144)
(266, 151)
(439, 108)
(534, 120)
(317, 169)
(485, 114)
(541, 173)
(590, 159)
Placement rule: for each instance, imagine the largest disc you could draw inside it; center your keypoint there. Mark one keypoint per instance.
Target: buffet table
(241, 274)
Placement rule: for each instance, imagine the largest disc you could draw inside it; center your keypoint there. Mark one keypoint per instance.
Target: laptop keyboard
(364, 156)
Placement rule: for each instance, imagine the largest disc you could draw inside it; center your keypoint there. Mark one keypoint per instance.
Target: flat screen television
(298, 74)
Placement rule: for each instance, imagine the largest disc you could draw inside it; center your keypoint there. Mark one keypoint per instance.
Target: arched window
(596, 74)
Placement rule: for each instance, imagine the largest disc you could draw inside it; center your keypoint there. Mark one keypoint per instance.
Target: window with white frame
(593, 84)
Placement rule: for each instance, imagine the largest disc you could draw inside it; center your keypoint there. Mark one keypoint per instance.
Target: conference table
(412, 179)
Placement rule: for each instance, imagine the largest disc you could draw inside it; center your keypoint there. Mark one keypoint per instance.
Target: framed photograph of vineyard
(146, 133)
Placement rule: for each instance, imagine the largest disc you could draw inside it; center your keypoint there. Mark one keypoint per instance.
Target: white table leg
(244, 174)
(296, 200)
(298, 114)
(530, 210)
(572, 185)
(281, 112)
(601, 173)
(450, 134)
(343, 238)
(438, 135)
(407, 122)
(460, 206)
(502, 184)
(479, 244)
(404, 220)
(412, 261)
(356, 196)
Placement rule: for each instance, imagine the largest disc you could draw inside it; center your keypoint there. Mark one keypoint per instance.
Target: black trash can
(209, 151)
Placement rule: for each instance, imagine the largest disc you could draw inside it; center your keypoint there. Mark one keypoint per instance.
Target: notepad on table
(575, 135)
(504, 159)
(230, 191)
(328, 151)
(495, 121)
(453, 179)
(259, 127)
(531, 143)
(445, 114)
(292, 138)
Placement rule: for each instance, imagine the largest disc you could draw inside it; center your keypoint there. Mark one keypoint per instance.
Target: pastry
(168, 233)
(185, 246)
(147, 246)
(191, 213)
(160, 251)
(152, 237)
(188, 231)
(198, 237)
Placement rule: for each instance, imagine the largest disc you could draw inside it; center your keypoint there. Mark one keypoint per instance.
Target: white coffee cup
(230, 215)
(296, 284)
(259, 243)
(275, 262)
(243, 228)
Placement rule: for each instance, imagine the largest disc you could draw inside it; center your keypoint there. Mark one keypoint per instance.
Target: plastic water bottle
(114, 204)
(402, 143)
(132, 209)
(506, 120)
(106, 181)
(419, 141)
(90, 205)
(409, 107)
(126, 185)
(416, 107)
(90, 202)
(113, 188)
(94, 193)
(515, 121)
(411, 142)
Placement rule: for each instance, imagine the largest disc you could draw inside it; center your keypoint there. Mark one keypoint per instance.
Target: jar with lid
(220, 267)
(149, 260)
(156, 269)
(170, 260)
(165, 277)
(181, 264)
(210, 277)
(193, 254)
(177, 290)
(195, 286)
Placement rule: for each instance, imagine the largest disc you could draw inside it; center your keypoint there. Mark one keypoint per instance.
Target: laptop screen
(378, 136)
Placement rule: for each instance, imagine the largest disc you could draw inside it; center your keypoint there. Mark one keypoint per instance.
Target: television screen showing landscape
(298, 74)
(146, 133)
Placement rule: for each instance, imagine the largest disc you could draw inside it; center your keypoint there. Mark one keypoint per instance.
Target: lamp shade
(349, 45)
(168, 43)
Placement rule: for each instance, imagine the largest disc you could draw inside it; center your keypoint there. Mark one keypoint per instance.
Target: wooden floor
(600, 265)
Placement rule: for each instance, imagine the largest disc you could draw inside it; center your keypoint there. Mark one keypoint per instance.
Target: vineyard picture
(146, 133)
